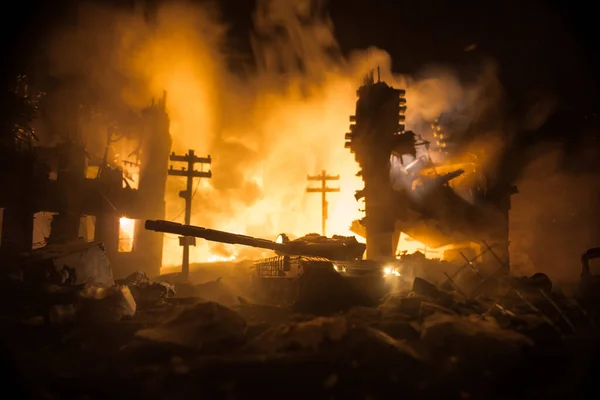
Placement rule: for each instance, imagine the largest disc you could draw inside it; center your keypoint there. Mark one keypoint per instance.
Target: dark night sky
(542, 47)
(517, 33)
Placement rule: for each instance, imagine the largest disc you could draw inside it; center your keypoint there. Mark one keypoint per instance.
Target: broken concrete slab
(147, 292)
(74, 263)
(62, 314)
(335, 339)
(410, 305)
(425, 288)
(111, 304)
(426, 309)
(206, 326)
(400, 329)
(470, 338)
(307, 335)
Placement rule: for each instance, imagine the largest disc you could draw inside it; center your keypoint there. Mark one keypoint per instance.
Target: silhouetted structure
(71, 195)
(376, 134)
(400, 197)
(323, 178)
(190, 173)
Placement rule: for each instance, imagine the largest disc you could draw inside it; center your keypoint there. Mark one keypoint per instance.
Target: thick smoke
(265, 133)
(552, 216)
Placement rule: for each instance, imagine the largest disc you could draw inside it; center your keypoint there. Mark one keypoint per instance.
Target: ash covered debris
(442, 332)
(75, 262)
(146, 292)
(424, 341)
(439, 331)
(206, 326)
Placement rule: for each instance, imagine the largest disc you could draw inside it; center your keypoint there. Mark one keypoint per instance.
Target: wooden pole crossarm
(190, 173)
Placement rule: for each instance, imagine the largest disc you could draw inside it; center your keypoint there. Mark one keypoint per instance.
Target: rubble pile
(146, 292)
(135, 337)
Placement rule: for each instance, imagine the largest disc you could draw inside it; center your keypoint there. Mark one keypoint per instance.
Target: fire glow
(126, 234)
(265, 132)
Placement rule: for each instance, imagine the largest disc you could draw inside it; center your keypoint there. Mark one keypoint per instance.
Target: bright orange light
(126, 233)
(131, 174)
(214, 258)
(265, 133)
(92, 172)
(410, 245)
(296, 136)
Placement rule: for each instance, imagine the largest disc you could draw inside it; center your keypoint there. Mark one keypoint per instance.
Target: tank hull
(318, 285)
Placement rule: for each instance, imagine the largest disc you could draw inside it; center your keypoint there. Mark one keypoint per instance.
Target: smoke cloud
(551, 217)
(265, 132)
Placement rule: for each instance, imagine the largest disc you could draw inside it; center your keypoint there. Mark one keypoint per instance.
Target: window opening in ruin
(92, 171)
(126, 233)
(409, 245)
(41, 228)
(131, 174)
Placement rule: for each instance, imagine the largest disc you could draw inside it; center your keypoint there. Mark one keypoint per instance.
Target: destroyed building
(92, 200)
(405, 191)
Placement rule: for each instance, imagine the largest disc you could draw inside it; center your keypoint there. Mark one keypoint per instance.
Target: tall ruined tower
(154, 161)
(376, 134)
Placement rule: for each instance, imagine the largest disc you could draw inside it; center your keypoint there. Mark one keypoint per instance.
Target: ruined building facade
(56, 180)
(404, 191)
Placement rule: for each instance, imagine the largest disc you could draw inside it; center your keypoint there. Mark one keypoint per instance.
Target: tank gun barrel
(338, 248)
(212, 235)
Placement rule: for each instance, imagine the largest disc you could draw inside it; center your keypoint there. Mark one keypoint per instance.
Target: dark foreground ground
(422, 342)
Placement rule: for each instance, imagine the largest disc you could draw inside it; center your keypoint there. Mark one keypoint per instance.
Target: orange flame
(264, 133)
(126, 234)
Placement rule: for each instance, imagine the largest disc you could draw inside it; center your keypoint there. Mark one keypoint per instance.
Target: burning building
(96, 201)
(405, 191)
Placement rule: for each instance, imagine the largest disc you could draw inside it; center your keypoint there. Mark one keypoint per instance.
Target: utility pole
(323, 190)
(190, 174)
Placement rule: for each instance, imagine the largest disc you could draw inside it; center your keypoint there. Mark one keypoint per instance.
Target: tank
(312, 273)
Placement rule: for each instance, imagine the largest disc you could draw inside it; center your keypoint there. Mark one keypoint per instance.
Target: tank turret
(345, 248)
(311, 273)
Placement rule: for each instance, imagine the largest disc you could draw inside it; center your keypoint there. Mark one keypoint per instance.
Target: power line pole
(190, 174)
(323, 190)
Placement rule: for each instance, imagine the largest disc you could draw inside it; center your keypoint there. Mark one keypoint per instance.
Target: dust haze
(267, 131)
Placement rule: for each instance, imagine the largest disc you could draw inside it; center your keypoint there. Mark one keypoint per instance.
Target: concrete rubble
(423, 341)
(76, 263)
(203, 326)
(146, 292)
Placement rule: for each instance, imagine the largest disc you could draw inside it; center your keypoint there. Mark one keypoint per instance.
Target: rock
(428, 309)
(206, 326)
(257, 313)
(105, 304)
(146, 292)
(391, 303)
(375, 340)
(532, 326)
(400, 329)
(309, 335)
(410, 305)
(470, 338)
(363, 315)
(74, 263)
(335, 337)
(426, 289)
(62, 314)
(217, 291)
